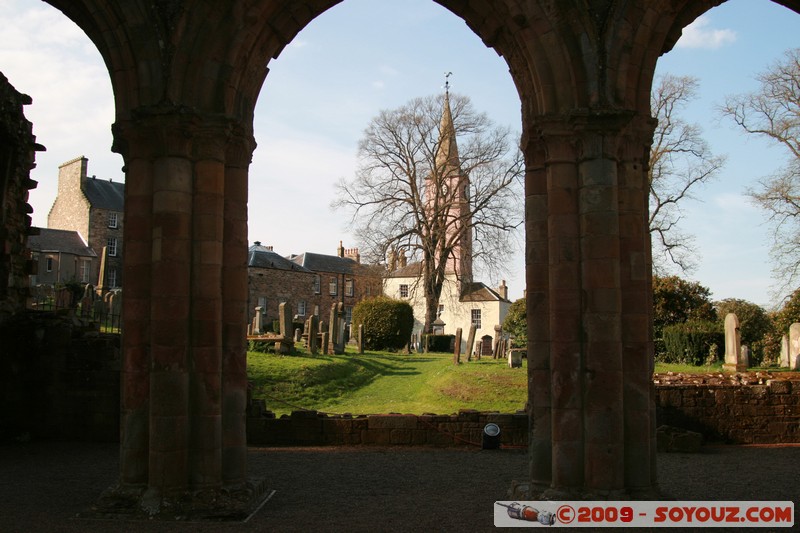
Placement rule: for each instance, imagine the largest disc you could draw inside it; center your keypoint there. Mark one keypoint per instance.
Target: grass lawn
(381, 382)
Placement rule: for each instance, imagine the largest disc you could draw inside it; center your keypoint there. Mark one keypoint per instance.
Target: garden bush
(691, 342)
(387, 322)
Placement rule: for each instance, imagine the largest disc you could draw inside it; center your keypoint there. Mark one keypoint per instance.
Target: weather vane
(447, 82)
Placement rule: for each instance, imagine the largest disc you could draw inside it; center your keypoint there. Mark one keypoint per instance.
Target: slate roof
(326, 263)
(411, 270)
(105, 194)
(59, 240)
(480, 292)
(263, 257)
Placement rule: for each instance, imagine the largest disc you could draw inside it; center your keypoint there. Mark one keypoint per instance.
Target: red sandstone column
(234, 309)
(184, 379)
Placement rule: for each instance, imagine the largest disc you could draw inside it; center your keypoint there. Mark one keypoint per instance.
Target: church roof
(105, 194)
(59, 240)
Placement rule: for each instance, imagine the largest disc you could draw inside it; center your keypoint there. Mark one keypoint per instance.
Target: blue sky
(363, 56)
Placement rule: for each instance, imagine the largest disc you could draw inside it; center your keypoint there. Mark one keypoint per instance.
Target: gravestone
(87, 300)
(361, 338)
(333, 328)
(286, 342)
(733, 343)
(298, 334)
(457, 347)
(515, 357)
(497, 331)
(313, 328)
(471, 341)
(784, 360)
(477, 350)
(257, 321)
(340, 333)
(794, 346)
(744, 357)
(324, 341)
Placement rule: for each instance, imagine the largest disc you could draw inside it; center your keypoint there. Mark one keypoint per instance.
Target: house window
(301, 308)
(112, 278)
(86, 267)
(440, 311)
(348, 314)
(476, 318)
(317, 284)
(112, 247)
(404, 291)
(113, 220)
(348, 287)
(48, 264)
(262, 303)
(333, 287)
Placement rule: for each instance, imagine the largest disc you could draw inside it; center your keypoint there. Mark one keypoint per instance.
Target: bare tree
(680, 161)
(418, 191)
(773, 111)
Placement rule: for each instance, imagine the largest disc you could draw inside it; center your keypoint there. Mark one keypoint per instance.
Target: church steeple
(455, 190)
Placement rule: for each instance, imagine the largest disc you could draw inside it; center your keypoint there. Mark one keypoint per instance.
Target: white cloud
(698, 34)
(378, 84)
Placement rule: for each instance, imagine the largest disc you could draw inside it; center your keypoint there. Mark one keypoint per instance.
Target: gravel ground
(43, 485)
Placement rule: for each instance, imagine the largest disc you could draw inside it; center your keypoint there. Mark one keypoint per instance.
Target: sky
(364, 56)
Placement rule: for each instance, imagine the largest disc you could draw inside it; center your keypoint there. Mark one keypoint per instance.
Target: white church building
(463, 302)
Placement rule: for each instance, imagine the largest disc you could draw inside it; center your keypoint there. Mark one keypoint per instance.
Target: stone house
(310, 282)
(61, 256)
(95, 209)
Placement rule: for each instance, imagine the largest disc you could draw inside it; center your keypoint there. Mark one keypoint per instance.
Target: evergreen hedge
(691, 342)
(387, 322)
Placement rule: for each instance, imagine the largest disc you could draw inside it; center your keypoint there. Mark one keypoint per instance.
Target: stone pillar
(784, 357)
(286, 342)
(258, 328)
(587, 269)
(185, 267)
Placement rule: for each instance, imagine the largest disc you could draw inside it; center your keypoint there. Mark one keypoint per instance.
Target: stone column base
(230, 504)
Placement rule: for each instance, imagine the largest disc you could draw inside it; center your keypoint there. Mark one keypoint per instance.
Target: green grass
(385, 383)
(663, 368)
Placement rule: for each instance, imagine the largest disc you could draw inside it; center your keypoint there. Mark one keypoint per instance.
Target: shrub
(439, 343)
(516, 323)
(691, 342)
(387, 322)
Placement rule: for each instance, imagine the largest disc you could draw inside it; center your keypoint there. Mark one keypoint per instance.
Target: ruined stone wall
(309, 428)
(753, 408)
(17, 153)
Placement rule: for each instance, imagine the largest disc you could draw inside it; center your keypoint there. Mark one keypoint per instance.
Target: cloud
(378, 84)
(698, 34)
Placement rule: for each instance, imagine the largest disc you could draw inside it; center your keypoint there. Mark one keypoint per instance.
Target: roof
(326, 263)
(411, 270)
(105, 194)
(263, 257)
(59, 240)
(479, 292)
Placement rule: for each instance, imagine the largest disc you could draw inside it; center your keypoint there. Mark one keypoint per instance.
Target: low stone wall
(742, 408)
(310, 428)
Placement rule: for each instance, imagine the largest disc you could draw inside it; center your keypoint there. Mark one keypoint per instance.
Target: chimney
(502, 290)
(392, 260)
(257, 243)
(340, 250)
(352, 253)
(402, 258)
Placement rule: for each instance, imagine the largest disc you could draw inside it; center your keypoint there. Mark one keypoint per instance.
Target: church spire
(447, 157)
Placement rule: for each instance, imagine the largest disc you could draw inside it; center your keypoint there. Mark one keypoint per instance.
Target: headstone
(286, 342)
(340, 332)
(497, 330)
(115, 302)
(457, 347)
(471, 341)
(744, 356)
(477, 350)
(784, 361)
(333, 329)
(257, 321)
(298, 334)
(515, 357)
(313, 328)
(361, 338)
(324, 341)
(794, 346)
(733, 342)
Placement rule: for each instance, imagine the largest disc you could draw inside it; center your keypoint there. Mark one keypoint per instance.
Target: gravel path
(44, 485)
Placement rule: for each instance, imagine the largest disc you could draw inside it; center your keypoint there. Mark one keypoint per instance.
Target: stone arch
(186, 76)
